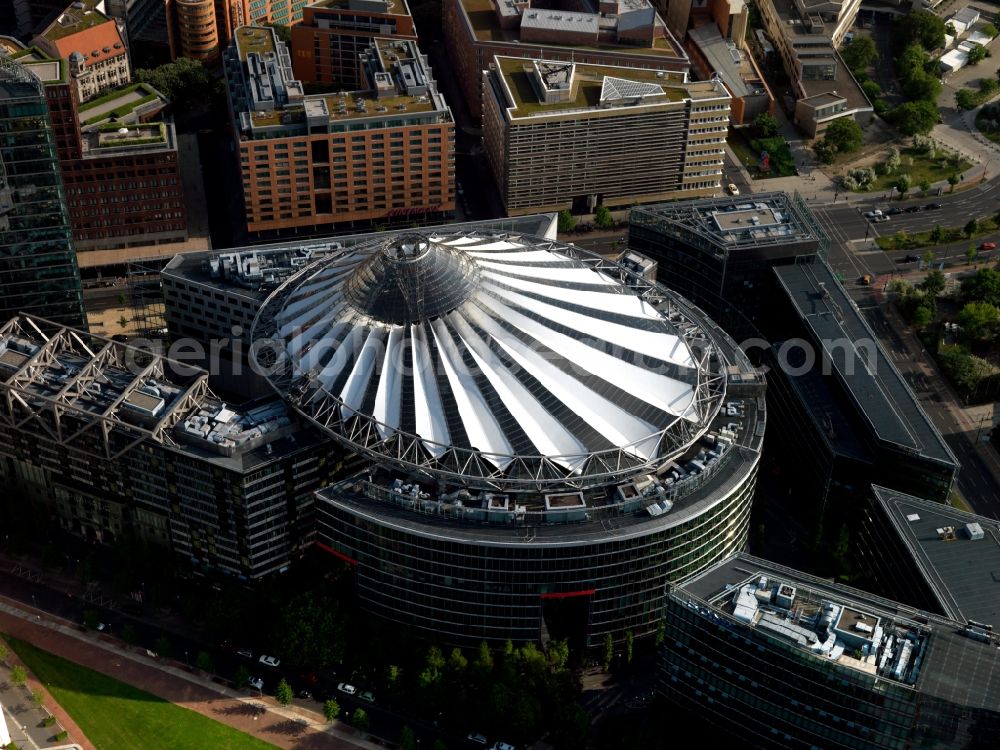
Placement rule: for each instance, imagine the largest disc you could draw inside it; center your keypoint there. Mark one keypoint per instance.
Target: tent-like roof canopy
(496, 359)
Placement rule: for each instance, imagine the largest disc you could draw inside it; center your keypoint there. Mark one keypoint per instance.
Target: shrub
(923, 144)
(49, 721)
(60, 736)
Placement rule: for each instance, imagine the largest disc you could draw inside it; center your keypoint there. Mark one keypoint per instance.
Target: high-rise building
(554, 135)
(548, 438)
(123, 185)
(787, 661)
(312, 164)
(719, 252)
(617, 32)
(328, 44)
(38, 270)
(931, 555)
(113, 440)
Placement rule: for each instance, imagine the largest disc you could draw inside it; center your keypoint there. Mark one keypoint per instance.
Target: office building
(806, 36)
(92, 44)
(122, 180)
(327, 46)
(331, 162)
(784, 660)
(38, 271)
(113, 441)
(881, 435)
(719, 252)
(617, 32)
(713, 55)
(283, 12)
(513, 487)
(931, 556)
(555, 135)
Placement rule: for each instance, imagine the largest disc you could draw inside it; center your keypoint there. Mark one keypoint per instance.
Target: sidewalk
(286, 727)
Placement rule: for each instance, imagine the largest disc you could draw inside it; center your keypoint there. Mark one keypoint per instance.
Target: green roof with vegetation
(254, 39)
(77, 20)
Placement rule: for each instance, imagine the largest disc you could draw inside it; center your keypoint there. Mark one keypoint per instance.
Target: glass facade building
(549, 437)
(744, 649)
(38, 270)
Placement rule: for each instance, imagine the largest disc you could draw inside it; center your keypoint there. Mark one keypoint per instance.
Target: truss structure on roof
(89, 393)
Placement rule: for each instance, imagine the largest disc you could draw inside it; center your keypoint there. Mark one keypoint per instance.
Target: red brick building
(327, 45)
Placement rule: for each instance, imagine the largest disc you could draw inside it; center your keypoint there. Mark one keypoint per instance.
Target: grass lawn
(923, 168)
(748, 151)
(116, 716)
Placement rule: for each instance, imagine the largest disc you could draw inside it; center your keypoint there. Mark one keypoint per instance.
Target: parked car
(875, 215)
(912, 209)
(305, 695)
(347, 688)
(893, 211)
(933, 206)
(988, 246)
(256, 682)
(367, 695)
(910, 259)
(733, 190)
(269, 661)
(477, 737)
(502, 746)
(245, 653)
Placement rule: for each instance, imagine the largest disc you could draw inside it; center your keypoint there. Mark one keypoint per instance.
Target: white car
(269, 661)
(733, 190)
(345, 687)
(256, 682)
(503, 746)
(478, 737)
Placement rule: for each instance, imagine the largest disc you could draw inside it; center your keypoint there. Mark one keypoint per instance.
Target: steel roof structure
(492, 359)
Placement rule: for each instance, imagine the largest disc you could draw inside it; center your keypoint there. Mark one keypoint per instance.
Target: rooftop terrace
(593, 87)
(394, 7)
(74, 20)
(254, 39)
(486, 27)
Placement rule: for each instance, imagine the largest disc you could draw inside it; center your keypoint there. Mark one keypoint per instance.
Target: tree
(845, 135)
(407, 739)
(360, 720)
(311, 630)
(184, 82)
(570, 726)
(567, 222)
(603, 218)
(922, 27)
(859, 54)
(970, 255)
(123, 322)
(915, 118)
(922, 87)
(925, 186)
(970, 227)
(922, 317)
(936, 234)
(284, 692)
(3, 652)
(825, 151)
(765, 125)
(18, 675)
(392, 674)
(457, 661)
(934, 283)
(989, 29)
(439, 745)
(37, 697)
(609, 651)
(629, 639)
(953, 180)
(984, 286)
(204, 661)
(977, 54)
(979, 320)
(483, 664)
(872, 90)
(242, 677)
(902, 184)
(331, 709)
